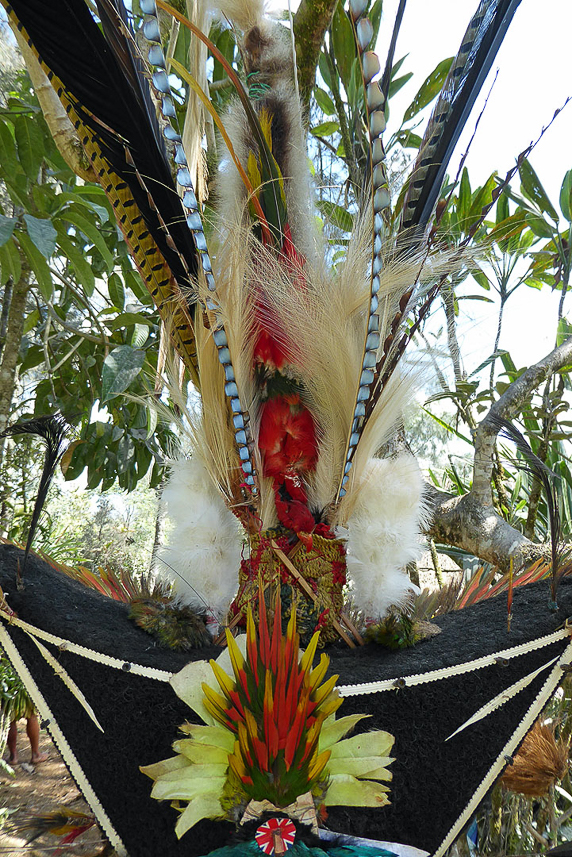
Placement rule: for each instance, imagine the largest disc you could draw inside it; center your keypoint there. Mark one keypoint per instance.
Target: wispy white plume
(384, 533)
(203, 551)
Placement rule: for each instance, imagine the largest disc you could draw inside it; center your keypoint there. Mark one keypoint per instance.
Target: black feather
(466, 77)
(386, 77)
(104, 78)
(53, 430)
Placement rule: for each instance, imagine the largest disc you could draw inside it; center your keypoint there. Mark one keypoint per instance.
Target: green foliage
(90, 333)
(14, 699)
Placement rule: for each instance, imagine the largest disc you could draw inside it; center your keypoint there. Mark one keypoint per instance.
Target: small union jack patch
(276, 831)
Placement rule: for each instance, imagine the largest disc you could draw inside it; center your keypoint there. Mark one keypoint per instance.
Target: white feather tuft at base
(384, 533)
(203, 551)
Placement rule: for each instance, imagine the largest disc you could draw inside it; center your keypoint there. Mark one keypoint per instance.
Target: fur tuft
(384, 534)
(244, 14)
(204, 548)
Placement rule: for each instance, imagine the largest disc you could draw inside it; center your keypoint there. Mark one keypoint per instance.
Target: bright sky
(534, 79)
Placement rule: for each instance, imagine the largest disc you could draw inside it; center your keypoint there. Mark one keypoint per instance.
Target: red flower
(287, 436)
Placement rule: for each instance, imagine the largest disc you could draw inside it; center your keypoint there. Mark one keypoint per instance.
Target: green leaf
(81, 266)
(116, 291)
(429, 90)
(152, 419)
(30, 143)
(503, 211)
(398, 83)
(32, 319)
(345, 790)
(481, 197)
(334, 730)
(127, 318)
(38, 265)
(532, 188)
(140, 335)
(42, 233)
(8, 158)
(407, 139)
(324, 101)
(126, 447)
(120, 368)
(91, 232)
(397, 65)
(182, 46)
(133, 281)
(507, 229)
(325, 129)
(475, 298)
(564, 331)
(34, 356)
(324, 67)
(7, 225)
(491, 359)
(464, 201)
(539, 226)
(343, 43)
(337, 215)
(446, 425)
(481, 279)
(375, 18)
(10, 264)
(225, 43)
(566, 196)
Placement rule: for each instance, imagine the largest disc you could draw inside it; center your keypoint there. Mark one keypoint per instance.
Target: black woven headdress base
(437, 783)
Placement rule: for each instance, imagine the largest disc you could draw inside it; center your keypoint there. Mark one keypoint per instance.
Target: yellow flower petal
(376, 743)
(201, 754)
(204, 806)
(334, 730)
(216, 736)
(348, 791)
(159, 768)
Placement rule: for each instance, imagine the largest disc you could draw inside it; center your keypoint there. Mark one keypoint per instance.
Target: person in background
(15, 705)
(33, 732)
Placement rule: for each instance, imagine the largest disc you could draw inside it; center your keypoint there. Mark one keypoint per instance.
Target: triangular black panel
(434, 780)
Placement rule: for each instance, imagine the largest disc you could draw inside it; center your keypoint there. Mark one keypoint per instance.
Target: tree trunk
(467, 523)
(14, 312)
(14, 333)
(310, 24)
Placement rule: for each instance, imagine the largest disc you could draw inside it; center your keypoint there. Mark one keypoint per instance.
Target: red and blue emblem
(276, 836)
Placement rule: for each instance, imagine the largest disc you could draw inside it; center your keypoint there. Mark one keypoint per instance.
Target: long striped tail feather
(470, 67)
(122, 140)
(468, 71)
(104, 88)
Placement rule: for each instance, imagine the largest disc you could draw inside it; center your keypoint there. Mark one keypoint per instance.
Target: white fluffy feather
(384, 533)
(244, 14)
(203, 552)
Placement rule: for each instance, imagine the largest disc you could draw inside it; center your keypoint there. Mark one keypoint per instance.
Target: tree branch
(507, 407)
(478, 529)
(57, 120)
(470, 521)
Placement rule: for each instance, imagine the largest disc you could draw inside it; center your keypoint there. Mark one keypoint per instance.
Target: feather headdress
(297, 363)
